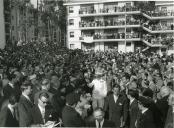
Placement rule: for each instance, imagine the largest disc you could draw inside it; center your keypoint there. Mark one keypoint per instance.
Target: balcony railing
(159, 27)
(159, 13)
(110, 36)
(108, 10)
(107, 23)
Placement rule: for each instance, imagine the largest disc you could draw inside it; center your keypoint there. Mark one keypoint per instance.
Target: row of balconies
(122, 11)
(98, 36)
(159, 13)
(108, 10)
(148, 39)
(159, 27)
(98, 23)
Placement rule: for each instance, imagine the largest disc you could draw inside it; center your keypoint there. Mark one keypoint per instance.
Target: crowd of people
(157, 39)
(159, 26)
(42, 84)
(113, 9)
(159, 13)
(108, 22)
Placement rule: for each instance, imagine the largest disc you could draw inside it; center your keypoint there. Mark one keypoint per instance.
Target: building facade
(106, 25)
(2, 25)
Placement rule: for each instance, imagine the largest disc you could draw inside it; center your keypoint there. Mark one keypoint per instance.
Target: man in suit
(41, 113)
(8, 115)
(162, 104)
(118, 107)
(12, 86)
(99, 121)
(133, 108)
(70, 117)
(25, 105)
(145, 116)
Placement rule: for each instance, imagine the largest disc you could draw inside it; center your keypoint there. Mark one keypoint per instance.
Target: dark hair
(43, 94)
(12, 99)
(25, 85)
(116, 86)
(133, 93)
(99, 109)
(11, 76)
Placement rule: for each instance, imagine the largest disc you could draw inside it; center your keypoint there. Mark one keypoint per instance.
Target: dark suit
(8, 90)
(24, 108)
(71, 118)
(106, 124)
(145, 120)
(37, 117)
(169, 119)
(117, 110)
(163, 107)
(133, 112)
(7, 119)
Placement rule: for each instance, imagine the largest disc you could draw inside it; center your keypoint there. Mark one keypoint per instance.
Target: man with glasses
(41, 113)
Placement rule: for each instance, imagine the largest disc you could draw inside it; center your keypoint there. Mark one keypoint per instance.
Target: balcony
(108, 24)
(158, 28)
(156, 42)
(110, 37)
(109, 11)
(158, 15)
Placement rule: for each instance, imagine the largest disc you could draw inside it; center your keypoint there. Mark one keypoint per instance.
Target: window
(128, 44)
(71, 34)
(164, 9)
(71, 46)
(71, 10)
(71, 21)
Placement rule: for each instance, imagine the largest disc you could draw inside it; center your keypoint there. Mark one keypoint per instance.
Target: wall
(2, 25)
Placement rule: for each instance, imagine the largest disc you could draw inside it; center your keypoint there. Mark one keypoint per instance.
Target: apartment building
(110, 24)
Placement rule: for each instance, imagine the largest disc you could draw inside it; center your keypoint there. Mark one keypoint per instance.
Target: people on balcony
(159, 13)
(158, 27)
(157, 40)
(108, 22)
(106, 9)
(112, 35)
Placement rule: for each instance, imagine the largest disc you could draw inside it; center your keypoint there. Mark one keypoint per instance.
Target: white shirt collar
(11, 84)
(132, 100)
(97, 123)
(27, 97)
(41, 109)
(11, 109)
(143, 111)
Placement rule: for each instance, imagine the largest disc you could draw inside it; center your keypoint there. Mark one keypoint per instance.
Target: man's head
(116, 89)
(26, 88)
(72, 99)
(43, 99)
(12, 100)
(99, 114)
(132, 94)
(165, 91)
(143, 103)
(45, 85)
(171, 99)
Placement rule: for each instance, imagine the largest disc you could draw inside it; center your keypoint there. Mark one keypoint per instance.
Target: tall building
(110, 24)
(2, 25)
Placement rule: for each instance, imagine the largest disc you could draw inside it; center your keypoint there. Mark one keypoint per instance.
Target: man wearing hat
(70, 117)
(99, 90)
(145, 117)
